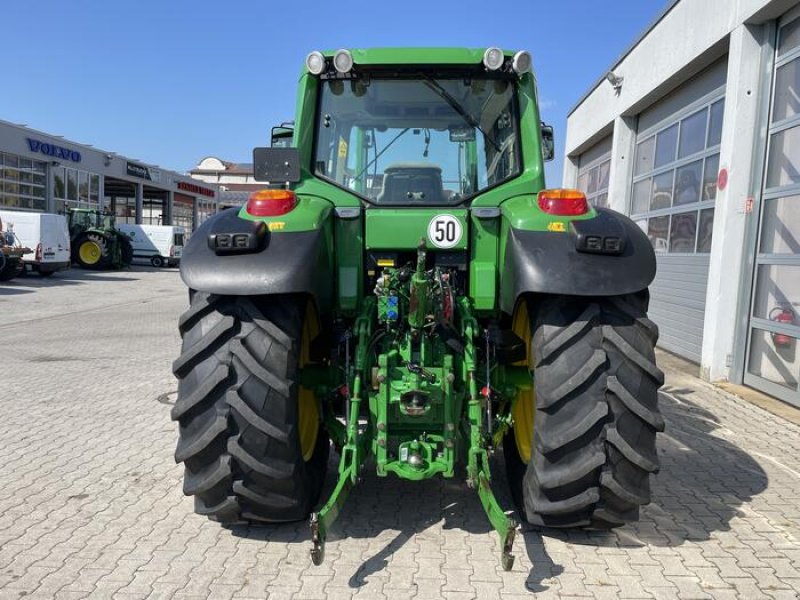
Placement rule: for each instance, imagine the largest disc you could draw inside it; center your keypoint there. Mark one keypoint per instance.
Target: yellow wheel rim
(308, 409)
(523, 412)
(90, 252)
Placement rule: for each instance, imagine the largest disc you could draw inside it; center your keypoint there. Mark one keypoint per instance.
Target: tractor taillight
(563, 202)
(271, 203)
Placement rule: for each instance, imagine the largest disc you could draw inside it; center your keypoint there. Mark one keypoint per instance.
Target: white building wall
(683, 38)
(690, 36)
(745, 95)
(622, 155)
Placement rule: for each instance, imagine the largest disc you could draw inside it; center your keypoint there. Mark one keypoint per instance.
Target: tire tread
(236, 410)
(596, 415)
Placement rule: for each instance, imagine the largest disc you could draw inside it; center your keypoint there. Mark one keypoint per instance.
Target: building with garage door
(46, 173)
(695, 133)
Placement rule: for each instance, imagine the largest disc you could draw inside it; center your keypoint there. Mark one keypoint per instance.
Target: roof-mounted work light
(522, 62)
(343, 61)
(315, 62)
(493, 58)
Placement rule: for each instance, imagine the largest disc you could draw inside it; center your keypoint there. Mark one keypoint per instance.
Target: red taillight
(563, 202)
(172, 251)
(271, 203)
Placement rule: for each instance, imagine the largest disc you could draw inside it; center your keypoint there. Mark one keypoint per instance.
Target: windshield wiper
(456, 106)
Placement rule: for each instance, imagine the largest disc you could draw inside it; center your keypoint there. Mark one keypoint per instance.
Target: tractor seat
(411, 183)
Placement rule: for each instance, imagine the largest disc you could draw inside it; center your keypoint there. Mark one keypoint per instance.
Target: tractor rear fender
(551, 262)
(272, 262)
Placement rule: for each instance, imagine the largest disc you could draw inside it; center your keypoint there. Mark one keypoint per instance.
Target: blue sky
(171, 81)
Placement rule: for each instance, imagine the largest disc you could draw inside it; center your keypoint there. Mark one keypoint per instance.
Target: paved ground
(91, 502)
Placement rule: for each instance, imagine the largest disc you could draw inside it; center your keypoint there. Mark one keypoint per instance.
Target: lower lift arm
(354, 451)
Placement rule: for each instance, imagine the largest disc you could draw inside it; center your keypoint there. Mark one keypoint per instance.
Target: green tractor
(95, 242)
(407, 290)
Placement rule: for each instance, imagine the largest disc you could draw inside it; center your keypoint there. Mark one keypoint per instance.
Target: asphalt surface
(91, 502)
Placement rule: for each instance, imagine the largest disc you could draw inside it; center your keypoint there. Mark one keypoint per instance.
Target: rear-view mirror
(548, 142)
(281, 136)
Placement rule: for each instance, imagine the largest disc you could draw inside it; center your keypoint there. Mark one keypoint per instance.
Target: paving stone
(105, 516)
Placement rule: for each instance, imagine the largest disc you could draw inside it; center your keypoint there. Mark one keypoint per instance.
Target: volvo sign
(53, 151)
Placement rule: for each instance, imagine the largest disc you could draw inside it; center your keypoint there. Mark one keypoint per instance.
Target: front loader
(407, 290)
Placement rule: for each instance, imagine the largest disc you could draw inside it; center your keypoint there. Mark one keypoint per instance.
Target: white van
(160, 244)
(44, 233)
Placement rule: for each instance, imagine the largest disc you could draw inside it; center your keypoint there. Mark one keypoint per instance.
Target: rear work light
(271, 203)
(563, 202)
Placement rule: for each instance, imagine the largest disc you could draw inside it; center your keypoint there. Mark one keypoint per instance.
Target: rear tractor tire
(91, 251)
(583, 444)
(157, 261)
(250, 437)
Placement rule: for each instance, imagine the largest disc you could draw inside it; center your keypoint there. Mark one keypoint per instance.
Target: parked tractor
(95, 242)
(407, 289)
(11, 253)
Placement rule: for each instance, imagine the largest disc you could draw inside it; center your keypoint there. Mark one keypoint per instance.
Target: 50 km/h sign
(444, 231)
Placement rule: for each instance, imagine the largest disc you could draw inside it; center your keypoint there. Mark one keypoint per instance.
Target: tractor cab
(81, 219)
(419, 135)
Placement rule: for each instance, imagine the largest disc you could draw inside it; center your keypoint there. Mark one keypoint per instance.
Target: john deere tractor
(95, 243)
(406, 289)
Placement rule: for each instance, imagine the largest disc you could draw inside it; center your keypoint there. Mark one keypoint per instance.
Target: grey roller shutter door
(678, 303)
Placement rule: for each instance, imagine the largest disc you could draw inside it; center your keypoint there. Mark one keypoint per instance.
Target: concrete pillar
(194, 213)
(742, 146)
(139, 203)
(170, 208)
(50, 203)
(570, 178)
(623, 147)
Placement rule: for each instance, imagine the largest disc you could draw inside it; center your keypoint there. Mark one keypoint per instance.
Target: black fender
(552, 263)
(281, 263)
